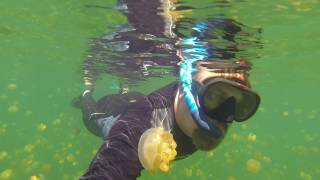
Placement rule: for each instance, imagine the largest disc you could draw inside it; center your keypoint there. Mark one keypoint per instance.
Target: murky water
(44, 46)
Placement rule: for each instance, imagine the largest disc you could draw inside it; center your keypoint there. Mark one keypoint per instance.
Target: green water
(44, 43)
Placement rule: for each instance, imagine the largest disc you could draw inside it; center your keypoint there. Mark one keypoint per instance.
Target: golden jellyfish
(305, 176)
(34, 178)
(253, 166)
(3, 97)
(3, 155)
(42, 127)
(12, 86)
(157, 149)
(285, 113)
(13, 108)
(70, 158)
(188, 172)
(244, 126)
(6, 174)
(57, 122)
(210, 153)
(235, 137)
(252, 137)
(29, 147)
(199, 172)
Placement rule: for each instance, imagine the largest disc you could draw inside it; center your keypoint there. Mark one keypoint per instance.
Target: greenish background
(44, 43)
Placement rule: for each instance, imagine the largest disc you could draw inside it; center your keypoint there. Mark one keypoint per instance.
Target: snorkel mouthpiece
(197, 114)
(202, 121)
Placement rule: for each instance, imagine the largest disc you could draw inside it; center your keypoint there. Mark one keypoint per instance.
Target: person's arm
(117, 158)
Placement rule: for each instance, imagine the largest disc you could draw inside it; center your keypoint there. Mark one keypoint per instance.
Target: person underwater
(194, 113)
(122, 119)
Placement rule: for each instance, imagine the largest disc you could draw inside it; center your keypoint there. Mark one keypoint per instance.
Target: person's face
(199, 137)
(203, 141)
(222, 99)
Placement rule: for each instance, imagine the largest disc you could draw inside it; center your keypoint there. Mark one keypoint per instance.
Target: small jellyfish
(66, 176)
(266, 159)
(34, 177)
(3, 97)
(235, 137)
(188, 172)
(210, 153)
(253, 166)
(12, 86)
(281, 7)
(70, 158)
(28, 113)
(94, 151)
(13, 108)
(27, 162)
(308, 138)
(28, 147)
(252, 137)
(305, 176)
(156, 149)
(6, 174)
(56, 122)
(199, 172)
(285, 113)
(261, 109)
(3, 155)
(244, 126)
(61, 161)
(42, 127)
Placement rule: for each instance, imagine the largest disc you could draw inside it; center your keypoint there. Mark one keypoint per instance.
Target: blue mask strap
(197, 51)
(197, 114)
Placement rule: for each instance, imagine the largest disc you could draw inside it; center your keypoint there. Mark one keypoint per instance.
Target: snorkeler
(191, 114)
(122, 119)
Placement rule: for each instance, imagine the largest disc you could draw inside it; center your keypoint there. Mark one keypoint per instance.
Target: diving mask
(225, 100)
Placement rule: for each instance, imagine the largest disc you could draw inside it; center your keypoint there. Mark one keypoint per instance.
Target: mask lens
(222, 100)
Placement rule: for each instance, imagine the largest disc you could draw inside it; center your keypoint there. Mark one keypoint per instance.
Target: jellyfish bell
(157, 149)
(253, 166)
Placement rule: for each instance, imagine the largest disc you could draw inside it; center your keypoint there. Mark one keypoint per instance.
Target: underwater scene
(53, 50)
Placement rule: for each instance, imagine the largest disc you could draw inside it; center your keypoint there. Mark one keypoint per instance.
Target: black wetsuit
(117, 158)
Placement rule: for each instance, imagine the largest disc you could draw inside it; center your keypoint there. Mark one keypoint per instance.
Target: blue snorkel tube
(197, 50)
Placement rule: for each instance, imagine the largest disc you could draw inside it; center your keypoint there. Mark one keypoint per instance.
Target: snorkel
(189, 93)
(197, 51)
